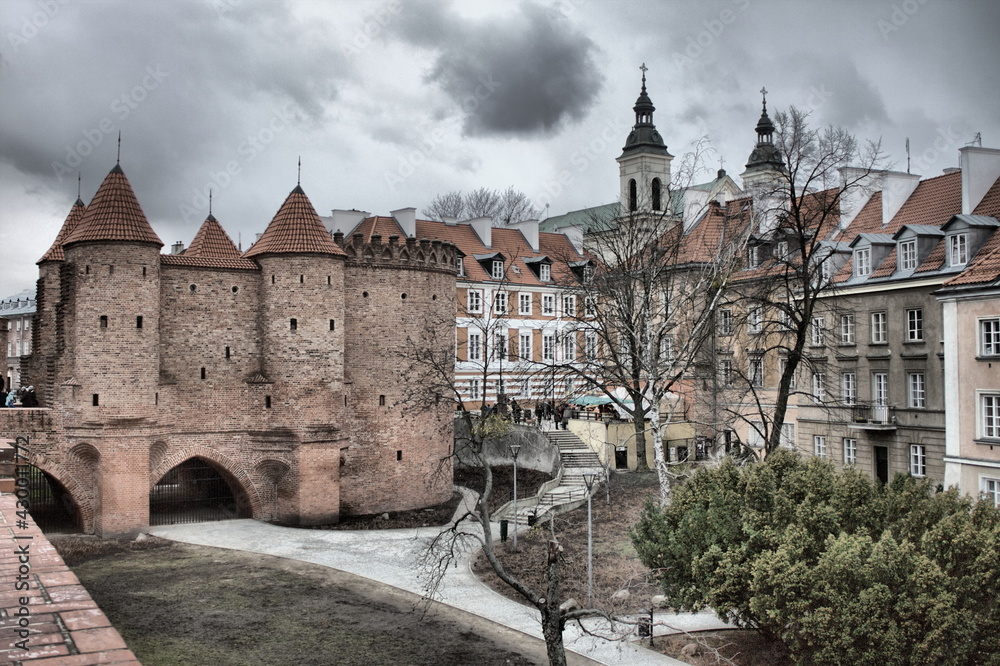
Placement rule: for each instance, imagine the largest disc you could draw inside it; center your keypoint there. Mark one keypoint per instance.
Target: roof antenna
(119, 159)
(298, 180)
(907, 154)
(210, 203)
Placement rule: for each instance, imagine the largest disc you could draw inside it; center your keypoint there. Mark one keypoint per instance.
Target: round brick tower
(111, 283)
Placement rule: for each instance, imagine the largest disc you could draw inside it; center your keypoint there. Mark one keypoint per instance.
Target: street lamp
(588, 478)
(514, 450)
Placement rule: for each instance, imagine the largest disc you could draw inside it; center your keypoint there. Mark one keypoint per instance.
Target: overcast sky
(391, 102)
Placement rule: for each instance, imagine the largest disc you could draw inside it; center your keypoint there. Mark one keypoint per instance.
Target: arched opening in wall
(52, 507)
(633, 196)
(197, 491)
(657, 205)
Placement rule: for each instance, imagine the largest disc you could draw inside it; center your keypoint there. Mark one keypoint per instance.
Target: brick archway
(233, 472)
(81, 495)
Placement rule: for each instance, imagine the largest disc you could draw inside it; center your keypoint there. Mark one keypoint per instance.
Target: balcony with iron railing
(872, 416)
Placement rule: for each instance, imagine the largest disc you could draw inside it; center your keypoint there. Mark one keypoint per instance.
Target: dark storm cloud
(185, 83)
(516, 75)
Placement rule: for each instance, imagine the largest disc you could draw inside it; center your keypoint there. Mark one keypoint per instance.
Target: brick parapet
(63, 622)
(412, 254)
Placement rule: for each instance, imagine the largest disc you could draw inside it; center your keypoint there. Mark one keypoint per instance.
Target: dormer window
(908, 255)
(497, 269)
(958, 249)
(753, 256)
(863, 262)
(781, 251)
(461, 267)
(544, 272)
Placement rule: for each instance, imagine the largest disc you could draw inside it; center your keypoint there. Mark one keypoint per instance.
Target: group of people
(23, 397)
(558, 413)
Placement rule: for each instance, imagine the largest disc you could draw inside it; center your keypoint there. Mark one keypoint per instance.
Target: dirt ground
(178, 604)
(616, 569)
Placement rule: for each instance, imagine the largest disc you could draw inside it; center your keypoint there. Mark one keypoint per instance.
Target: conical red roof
(295, 229)
(55, 253)
(212, 241)
(114, 214)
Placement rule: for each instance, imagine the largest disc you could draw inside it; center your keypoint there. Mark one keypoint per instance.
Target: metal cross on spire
(210, 203)
(644, 70)
(79, 179)
(298, 179)
(763, 94)
(118, 160)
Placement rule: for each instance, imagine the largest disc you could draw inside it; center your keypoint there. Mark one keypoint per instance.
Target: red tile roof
(212, 241)
(295, 229)
(235, 263)
(990, 205)
(114, 214)
(55, 253)
(507, 241)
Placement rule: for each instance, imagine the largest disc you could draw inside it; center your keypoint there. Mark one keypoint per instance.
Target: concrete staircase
(565, 492)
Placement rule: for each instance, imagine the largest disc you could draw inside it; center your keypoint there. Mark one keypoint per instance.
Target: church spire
(765, 159)
(644, 137)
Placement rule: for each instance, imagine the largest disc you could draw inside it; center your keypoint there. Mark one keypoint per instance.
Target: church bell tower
(644, 165)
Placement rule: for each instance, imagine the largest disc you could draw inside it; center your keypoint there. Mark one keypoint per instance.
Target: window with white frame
(989, 415)
(989, 336)
(916, 392)
(569, 347)
(524, 346)
(863, 262)
(549, 305)
(475, 346)
(915, 325)
(524, 303)
(785, 318)
(879, 331)
(850, 451)
(819, 446)
(569, 305)
(667, 349)
(548, 347)
(461, 267)
(544, 272)
(848, 388)
(788, 435)
(497, 272)
(756, 319)
(817, 332)
(27, 347)
(990, 489)
(500, 303)
(880, 388)
(847, 329)
(819, 386)
(753, 256)
(589, 306)
(475, 301)
(725, 322)
(726, 371)
(908, 255)
(474, 393)
(17, 347)
(918, 460)
(781, 251)
(590, 340)
(826, 267)
(756, 371)
(755, 435)
(958, 249)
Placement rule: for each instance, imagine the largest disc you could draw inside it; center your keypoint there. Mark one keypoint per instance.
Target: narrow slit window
(272, 279)
(329, 281)
(227, 352)
(143, 271)
(294, 324)
(399, 455)
(138, 321)
(203, 373)
(381, 401)
(104, 321)
(96, 400)
(302, 279)
(111, 269)
(156, 398)
(332, 327)
(267, 402)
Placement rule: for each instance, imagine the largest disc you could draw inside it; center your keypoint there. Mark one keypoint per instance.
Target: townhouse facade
(16, 315)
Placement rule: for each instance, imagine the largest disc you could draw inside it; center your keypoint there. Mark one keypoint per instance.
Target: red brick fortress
(278, 366)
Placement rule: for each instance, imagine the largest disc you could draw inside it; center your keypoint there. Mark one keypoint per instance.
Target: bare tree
(780, 303)
(649, 295)
(429, 362)
(507, 207)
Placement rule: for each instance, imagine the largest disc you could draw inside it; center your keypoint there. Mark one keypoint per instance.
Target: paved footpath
(388, 556)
